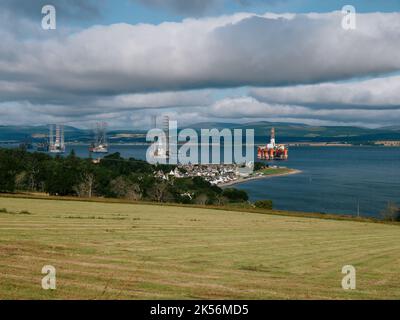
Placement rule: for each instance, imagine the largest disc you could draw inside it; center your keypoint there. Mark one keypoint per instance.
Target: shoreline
(243, 180)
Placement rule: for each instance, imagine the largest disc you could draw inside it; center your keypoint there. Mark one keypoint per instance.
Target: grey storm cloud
(110, 71)
(242, 109)
(234, 51)
(251, 108)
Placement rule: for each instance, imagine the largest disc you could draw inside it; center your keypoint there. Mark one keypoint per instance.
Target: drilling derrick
(57, 142)
(166, 131)
(161, 151)
(100, 144)
(153, 122)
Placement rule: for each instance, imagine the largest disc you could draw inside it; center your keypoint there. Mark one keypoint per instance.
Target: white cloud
(377, 93)
(251, 108)
(243, 109)
(110, 71)
(214, 52)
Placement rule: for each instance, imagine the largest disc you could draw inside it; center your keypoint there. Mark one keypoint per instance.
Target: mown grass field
(126, 251)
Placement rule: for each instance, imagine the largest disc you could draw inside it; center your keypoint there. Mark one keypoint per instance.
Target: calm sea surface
(333, 179)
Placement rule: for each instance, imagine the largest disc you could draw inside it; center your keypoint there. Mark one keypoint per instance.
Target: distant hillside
(212, 125)
(394, 128)
(36, 133)
(286, 132)
(293, 132)
(21, 133)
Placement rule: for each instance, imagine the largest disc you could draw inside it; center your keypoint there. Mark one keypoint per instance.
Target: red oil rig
(273, 151)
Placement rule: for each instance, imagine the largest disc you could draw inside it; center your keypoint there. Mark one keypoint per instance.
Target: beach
(259, 177)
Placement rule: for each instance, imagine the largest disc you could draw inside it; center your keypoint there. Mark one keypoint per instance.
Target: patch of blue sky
(133, 12)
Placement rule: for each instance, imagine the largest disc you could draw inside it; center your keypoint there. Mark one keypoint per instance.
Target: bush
(264, 204)
(260, 166)
(235, 195)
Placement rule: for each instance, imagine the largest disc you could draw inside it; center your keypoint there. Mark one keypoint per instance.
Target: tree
(235, 195)
(85, 188)
(62, 176)
(159, 191)
(21, 180)
(391, 212)
(133, 192)
(114, 176)
(9, 167)
(201, 199)
(124, 188)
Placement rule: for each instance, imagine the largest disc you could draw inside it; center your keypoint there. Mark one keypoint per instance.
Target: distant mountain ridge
(286, 132)
(291, 132)
(21, 133)
(394, 128)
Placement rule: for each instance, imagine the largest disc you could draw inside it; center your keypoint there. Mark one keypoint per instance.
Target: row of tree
(112, 177)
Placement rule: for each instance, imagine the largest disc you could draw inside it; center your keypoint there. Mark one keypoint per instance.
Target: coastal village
(224, 175)
(215, 174)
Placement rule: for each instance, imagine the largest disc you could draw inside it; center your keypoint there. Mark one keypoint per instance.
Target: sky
(200, 61)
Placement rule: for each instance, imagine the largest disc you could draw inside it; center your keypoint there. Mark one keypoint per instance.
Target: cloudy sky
(199, 60)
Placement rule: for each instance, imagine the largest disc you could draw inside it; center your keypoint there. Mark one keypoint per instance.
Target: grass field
(275, 171)
(126, 251)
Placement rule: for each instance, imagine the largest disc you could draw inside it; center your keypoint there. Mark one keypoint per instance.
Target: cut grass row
(239, 207)
(106, 250)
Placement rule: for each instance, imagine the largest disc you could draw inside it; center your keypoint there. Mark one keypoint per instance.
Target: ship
(100, 148)
(100, 144)
(273, 151)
